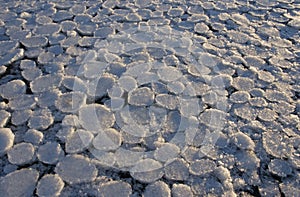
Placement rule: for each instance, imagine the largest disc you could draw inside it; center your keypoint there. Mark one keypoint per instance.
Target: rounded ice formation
(76, 169)
(19, 183)
(12, 89)
(94, 117)
(21, 153)
(50, 153)
(115, 189)
(141, 97)
(147, 170)
(70, 102)
(50, 185)
(6, 140)
(106, 140)
(158, 189)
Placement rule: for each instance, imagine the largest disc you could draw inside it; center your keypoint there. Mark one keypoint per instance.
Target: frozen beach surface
(149, 98)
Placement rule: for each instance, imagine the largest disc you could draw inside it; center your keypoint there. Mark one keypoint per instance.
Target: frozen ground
(149, 98)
